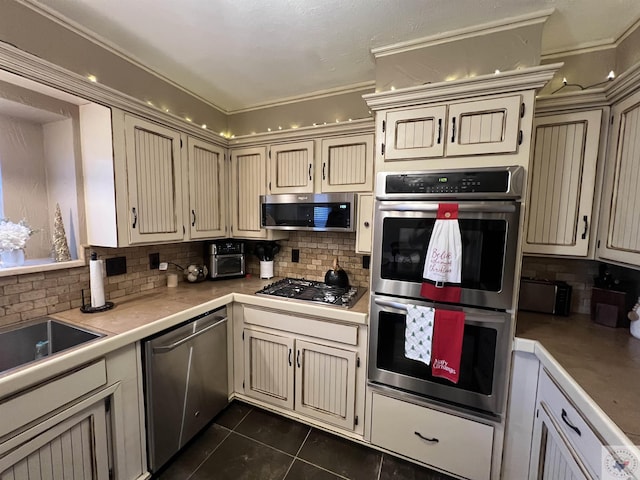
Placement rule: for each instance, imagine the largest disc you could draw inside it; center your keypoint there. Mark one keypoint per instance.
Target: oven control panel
(448, 182)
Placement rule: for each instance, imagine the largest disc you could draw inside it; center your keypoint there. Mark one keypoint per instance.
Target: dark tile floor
(247, 443)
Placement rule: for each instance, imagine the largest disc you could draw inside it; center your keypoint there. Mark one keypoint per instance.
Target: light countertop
(603, 361)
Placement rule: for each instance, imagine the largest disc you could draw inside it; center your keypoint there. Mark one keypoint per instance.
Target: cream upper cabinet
(563, 180)
(154, 167)
(480, 127)
(206, 190)
(291, 168)
(620, 213)
(364, 231)
(248, 182)
(347, 164)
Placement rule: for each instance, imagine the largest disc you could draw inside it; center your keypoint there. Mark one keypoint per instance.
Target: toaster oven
(545, 296)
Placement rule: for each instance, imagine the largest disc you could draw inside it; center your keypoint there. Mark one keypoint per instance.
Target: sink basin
(43, 338)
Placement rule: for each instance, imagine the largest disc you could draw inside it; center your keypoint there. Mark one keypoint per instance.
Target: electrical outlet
(366, 261)
(154, 261)
(295, 255)
(116, 266)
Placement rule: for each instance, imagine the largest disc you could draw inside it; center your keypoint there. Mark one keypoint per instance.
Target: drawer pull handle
(569, 424)
(426, 439)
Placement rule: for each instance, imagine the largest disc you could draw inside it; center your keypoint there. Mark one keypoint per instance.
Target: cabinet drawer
(463, 447)
(37, 402)
(581, 436)
(326, 330)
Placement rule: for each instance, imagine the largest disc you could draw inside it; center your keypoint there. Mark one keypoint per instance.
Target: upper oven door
(489, 232)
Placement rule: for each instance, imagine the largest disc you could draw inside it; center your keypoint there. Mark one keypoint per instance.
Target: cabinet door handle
(324, 166)
(290, 358)
(135, 217)
(427, 439)
(586, 226)
(569, 424)
(298, 359)
(453, 130)
(439, 130)
(193, 218)
(309, 171)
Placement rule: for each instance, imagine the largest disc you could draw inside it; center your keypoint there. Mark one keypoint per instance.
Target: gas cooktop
(310, 291)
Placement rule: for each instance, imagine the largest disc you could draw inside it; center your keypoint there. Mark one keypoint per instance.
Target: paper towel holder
(87, 308)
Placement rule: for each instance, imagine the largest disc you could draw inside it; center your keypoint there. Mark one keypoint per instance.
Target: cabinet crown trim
(464, 89)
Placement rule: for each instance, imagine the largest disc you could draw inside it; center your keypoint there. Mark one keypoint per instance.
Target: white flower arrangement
(14, 236)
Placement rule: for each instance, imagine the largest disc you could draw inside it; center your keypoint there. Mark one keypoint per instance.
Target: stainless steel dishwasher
(185, 382)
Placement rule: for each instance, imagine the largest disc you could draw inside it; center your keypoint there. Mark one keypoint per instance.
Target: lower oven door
(486, 350)
(489, 234)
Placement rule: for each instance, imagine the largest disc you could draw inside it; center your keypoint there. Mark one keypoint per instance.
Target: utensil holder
(266, 269)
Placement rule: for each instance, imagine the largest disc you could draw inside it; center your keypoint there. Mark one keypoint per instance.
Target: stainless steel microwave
(318, 212)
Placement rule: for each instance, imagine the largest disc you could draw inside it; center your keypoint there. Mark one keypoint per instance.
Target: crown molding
(364, 125)
(330, 92)
(592, 98)
(464, 33)
(624, 84)
(33, 68)
(503, 82)
(580, 49)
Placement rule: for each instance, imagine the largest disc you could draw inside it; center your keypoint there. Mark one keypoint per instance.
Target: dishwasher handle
(168, 348)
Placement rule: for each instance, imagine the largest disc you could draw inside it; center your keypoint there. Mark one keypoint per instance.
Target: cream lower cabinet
(620, 213)
(444, 441)
(316, 380)
(563, 179)
(311, 366)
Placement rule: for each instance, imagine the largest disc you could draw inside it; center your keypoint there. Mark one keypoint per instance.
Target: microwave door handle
(433, 207)
(471, 316)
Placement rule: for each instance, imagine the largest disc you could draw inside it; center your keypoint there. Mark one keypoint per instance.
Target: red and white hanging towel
(448, 333)
(443, 262)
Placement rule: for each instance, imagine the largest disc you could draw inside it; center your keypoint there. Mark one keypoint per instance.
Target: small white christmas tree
(60, 246)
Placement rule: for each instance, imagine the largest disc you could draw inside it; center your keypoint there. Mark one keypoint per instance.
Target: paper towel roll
(96, 282)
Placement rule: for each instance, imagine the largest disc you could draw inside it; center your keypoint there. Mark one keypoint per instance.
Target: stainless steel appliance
(310, 291)
(318, 212)
(545, 296)
(226, 259)
(185, 381)
(489, 215)
(486, 348)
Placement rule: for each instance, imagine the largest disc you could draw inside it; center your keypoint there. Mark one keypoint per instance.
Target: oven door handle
(433, 207)
(474, 316)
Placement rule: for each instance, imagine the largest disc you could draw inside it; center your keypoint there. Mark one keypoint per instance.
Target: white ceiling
(242, 53)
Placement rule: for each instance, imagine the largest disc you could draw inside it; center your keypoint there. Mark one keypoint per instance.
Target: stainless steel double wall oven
(489, 216)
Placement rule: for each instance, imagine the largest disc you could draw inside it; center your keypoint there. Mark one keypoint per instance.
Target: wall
(317, 251)
(23, 297)
(24, 181)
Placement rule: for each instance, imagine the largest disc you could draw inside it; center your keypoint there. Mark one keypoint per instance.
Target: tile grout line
(324, 469)
(212, 451)
(380, 467)
(296, 455)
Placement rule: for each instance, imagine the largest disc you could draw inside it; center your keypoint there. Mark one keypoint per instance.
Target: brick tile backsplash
(31, 295)
(317, 251)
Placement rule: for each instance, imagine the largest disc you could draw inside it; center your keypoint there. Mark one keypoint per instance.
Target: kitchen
(315, 250)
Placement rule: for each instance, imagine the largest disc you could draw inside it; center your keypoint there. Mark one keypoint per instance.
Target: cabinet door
(291, 168)
(563, 175)
(268, 368)
(326, 383)
(364, 230)
(74, 448)
(552, 458)
(206, 190)
(248, 182)
(347, 164)
(415, 133)
(484, 126)
(620, 215)
(154, 182)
